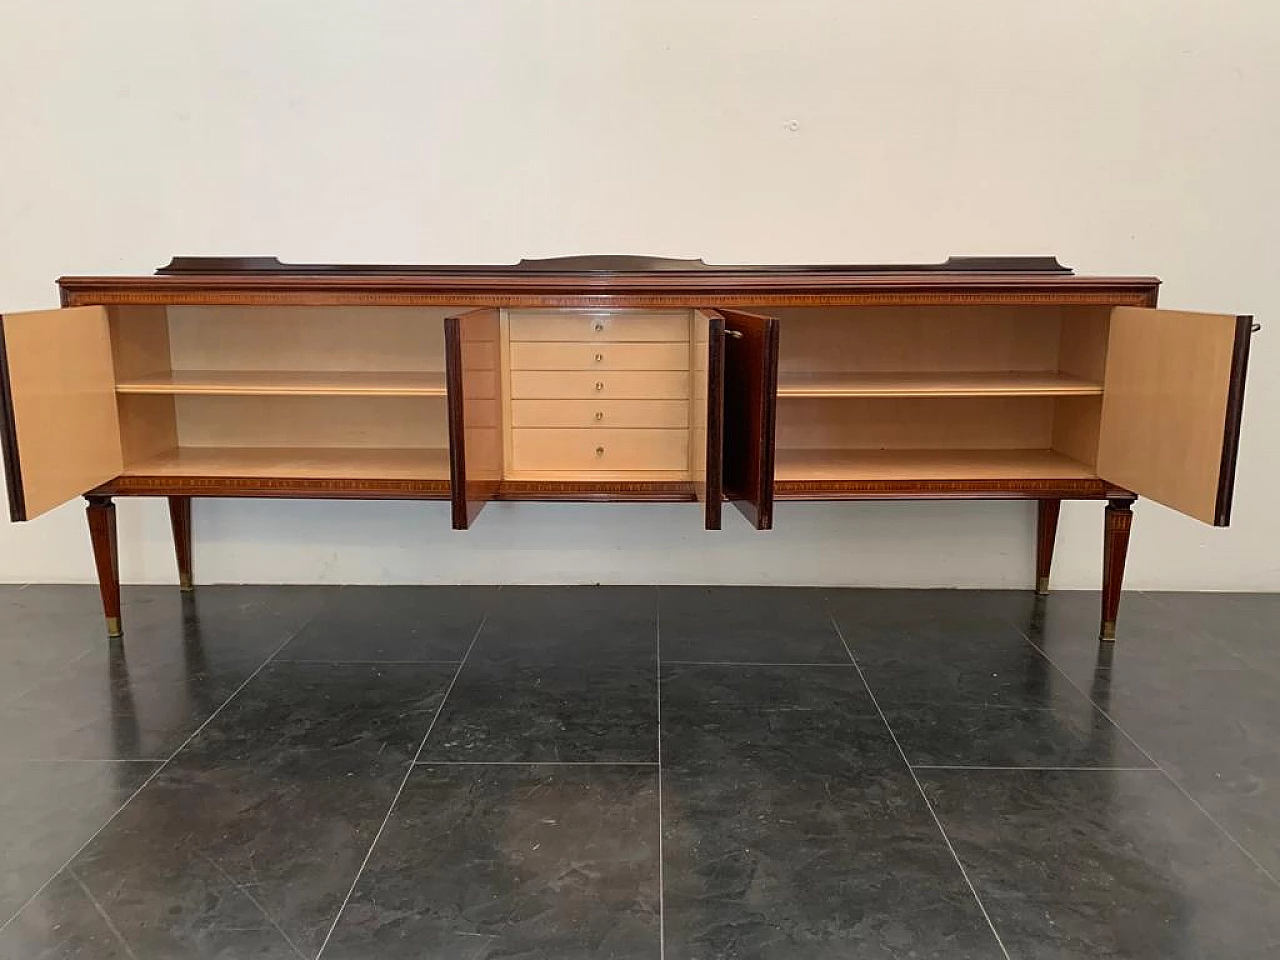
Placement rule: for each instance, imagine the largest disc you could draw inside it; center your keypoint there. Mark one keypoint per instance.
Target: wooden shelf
(927, 465)
(936, 384)
(246, 383)
(328, 463)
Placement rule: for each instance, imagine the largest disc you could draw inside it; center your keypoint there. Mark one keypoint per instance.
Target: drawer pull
(599, 327)
(599, 451)
(599, 358)
(599, 415)
(599, 385)
(736, 334)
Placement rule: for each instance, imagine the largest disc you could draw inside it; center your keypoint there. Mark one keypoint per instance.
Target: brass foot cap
(184, 583)
(113, 628)
(1042, 586)
(1108, 633)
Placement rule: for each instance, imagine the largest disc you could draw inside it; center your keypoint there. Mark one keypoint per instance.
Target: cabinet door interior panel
(706, 413)
(551, 355)
(1171, 408)
(606, 385)
(600, 413)
(912, 383)
(614, 326)
(354, 463)
(750, 405)
(932, 464)
(977, 423)
(60, 426)
(331, 339)
(310, 421)
(602, 449)
(287, 383)
(474, 357)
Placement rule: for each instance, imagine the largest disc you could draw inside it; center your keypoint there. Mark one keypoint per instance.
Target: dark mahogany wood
(301, 488)
(1115, 547)
(1046, 535)
(1234, 418)
(9, 439)
(750, 408)
(473, 364)
(712, 488)
(180, 521)
(101, 513)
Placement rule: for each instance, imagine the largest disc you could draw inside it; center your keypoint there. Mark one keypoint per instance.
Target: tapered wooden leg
(102, 531)
(180, 520)
(1046, 535)
(1115, 546)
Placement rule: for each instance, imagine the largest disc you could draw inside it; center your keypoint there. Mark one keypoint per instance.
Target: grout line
(961, 766)
(535, 763)
(662, 883)
(399, 790)
(156, 772)
(84, 759)
(252, 899)
(1157, 765)
(372, 663)
(102, 912)
(754, 663)
(920, 787)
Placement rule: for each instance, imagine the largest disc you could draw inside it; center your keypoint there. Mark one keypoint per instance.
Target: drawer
(611, 327)
(610, 385)
(600, 413)
(586, 450)
(552, 355)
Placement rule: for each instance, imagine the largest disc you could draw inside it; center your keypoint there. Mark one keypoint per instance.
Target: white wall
(1133, 137)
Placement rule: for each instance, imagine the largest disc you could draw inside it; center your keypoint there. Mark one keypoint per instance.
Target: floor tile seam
(248, 895)
(964, 873)
(1033, 769)
(4, 759)
(157, 771)
(337, 917)
(1168, 776)
(45, 680)
(370, 663)
(536, 763)
(102, 912)
(662, 881)
(755, 663)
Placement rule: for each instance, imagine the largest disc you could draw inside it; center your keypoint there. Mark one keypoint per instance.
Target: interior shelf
(800, 464)
(358, 463)
(936, 384)
(287, 383)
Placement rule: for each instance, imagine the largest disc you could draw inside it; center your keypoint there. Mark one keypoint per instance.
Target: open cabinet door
(750, 404)
(473, 365)
(1172, 399)
(58, 417)
(707, 416)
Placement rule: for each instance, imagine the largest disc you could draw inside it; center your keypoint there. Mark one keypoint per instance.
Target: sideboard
(621, 378)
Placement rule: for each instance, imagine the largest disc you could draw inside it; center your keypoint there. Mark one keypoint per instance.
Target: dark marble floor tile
(237, 861)
(1112, 864)
(393, 624)
(534, 862)
(570, 625)
(69, 927)
(515, 713)
(693, 685)
(793, 829)
(48, 809)
(875, 621)
(747, 625)
(291, 711)
(1066, 734)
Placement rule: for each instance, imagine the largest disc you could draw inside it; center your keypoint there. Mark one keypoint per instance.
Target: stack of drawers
(599, 392)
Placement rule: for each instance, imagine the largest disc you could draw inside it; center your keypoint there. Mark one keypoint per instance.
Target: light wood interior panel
(552, 355)
(1075, 427)
(286, 382)
(606, 385)
(937, 384)
(613, 326)
(1083, 349)
(148, 426)
(62, 387)
(390, 339)
(600, 413)
(983, 423)
(378, 422)
(577, 450)
(1164, 412)
(908, 465)
(139, 341)
(354, 463)
(923, 339)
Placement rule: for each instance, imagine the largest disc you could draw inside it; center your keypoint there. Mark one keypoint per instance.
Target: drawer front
(610, 327)
(587, 450)
(552, 355)
(610, 385)
(600, 413)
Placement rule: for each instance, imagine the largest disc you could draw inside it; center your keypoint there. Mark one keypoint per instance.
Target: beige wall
(1140, 136)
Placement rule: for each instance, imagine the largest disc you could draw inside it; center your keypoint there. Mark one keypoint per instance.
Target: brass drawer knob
(599, 451)
(599, 325)
(599, 414)
(599, 358)
(599, 385)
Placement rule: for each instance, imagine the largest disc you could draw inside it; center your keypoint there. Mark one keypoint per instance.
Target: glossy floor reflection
(637, 772)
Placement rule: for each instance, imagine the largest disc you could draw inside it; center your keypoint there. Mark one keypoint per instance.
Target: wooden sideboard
(621, 378)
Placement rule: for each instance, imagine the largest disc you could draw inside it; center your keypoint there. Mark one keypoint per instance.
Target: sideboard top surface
(609, 281)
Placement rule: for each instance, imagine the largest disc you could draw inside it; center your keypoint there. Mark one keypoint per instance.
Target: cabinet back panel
(311, 421)
(995, 423)
(139, 341)
(308, 338)
(148, 426)
(833, 339)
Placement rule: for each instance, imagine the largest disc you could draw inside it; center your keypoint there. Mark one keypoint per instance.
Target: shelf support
(1115, 547)
(180, 521)
(101, 513)
(1046, 537)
